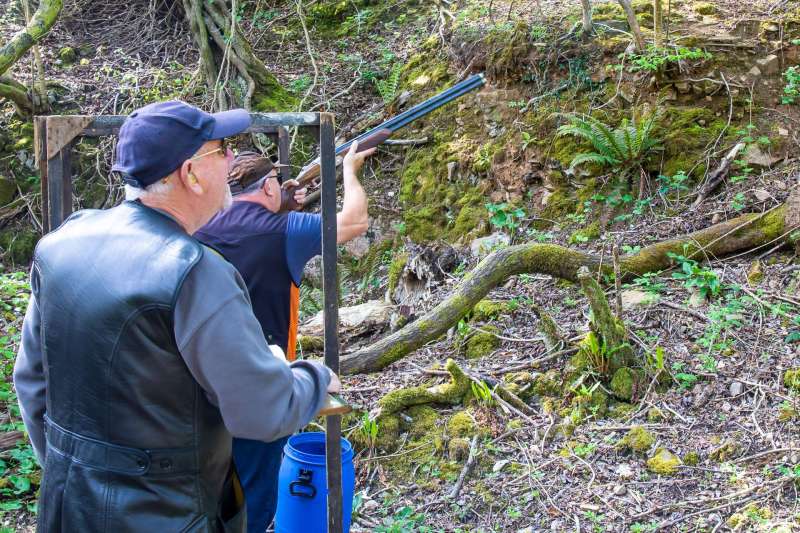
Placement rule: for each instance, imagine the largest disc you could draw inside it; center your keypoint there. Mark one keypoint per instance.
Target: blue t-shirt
(270, 251)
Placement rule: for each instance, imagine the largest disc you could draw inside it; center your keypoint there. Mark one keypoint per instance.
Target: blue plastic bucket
(303, 485)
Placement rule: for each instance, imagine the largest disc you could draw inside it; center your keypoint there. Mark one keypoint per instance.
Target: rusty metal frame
(55, 138)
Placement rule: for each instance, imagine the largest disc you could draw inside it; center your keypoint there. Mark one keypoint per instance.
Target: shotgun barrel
(380, 133)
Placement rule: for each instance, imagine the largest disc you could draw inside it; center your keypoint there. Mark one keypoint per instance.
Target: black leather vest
(133, 444)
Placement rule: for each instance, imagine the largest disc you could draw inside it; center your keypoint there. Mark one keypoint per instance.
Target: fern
(623, 148)
(387, 88)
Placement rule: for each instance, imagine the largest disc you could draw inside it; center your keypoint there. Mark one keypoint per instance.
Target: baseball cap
(156, 139)
(249, 168)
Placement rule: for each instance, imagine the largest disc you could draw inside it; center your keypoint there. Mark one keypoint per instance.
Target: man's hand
(354, 161)
(299, 194)
(335, 385)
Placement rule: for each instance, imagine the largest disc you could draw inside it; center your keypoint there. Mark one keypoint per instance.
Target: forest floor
(717, 447)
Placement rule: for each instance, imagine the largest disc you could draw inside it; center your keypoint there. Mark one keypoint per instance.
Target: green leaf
(793, 337)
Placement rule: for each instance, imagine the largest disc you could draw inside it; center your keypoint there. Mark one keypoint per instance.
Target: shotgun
(378, 135)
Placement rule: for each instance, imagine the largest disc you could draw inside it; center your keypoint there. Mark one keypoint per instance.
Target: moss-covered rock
(482, 343)
(637, 440)
(755, 273)
(704, 8)
(623, 384)
(423, 420)
(458, 449)
(691, 458)
(685, 132)
(727, 451)
(664, 463)
(621, 410)
(791, 378)
(748, 518)
(67, 55)
(461, 425)
(489, 309)
(655, 415)
(310, 343)
(548, 384)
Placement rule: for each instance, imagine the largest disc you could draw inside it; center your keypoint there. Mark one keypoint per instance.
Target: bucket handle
(306, 489)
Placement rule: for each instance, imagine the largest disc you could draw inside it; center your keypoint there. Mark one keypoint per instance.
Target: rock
(754, 156)
(624, 471)
(664, 462)
(755, 274)
(498, 466)
(620, 490)
(683, 87)
(736, 388)
(637, 440)
(755, 72)
(696, 299)
(670, 95)
(403, 98)
(312, 273)
(783, 132)
(358, 247)
(633, 298)
(485, 245)
(716, 219)
(8, 189)
(770, 65)
(762, 195)
(373, 314)
(67, 55)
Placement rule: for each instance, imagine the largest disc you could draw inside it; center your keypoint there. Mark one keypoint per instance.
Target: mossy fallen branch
(739, 234)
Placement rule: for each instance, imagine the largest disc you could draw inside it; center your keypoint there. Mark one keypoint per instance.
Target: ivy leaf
(793, 337)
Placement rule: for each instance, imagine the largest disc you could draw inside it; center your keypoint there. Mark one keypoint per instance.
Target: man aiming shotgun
(269, 242)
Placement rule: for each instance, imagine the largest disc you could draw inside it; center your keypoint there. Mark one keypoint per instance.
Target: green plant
(650, 282)
(505, 216)
(596, 520)
(675, 184)
(527, 140)
(482, 393)
(387, 87)
(404, 521)
(738, 202)
(640, 527)
(369, 429)
(299, 85)
(685, 379)
(623, 148)
(694, 276)
(654, 59)
(310, 301)
(791, 92)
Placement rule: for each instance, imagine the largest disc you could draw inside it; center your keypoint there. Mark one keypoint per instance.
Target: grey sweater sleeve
(29, 379)
(260, 396)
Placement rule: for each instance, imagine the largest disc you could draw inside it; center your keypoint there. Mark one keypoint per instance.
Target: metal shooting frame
(56, 136)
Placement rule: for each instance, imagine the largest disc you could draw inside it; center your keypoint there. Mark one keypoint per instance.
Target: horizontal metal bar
(261, 123)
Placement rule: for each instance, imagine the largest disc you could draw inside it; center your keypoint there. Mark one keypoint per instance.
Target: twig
(473, 450)
(617, 280)
(718, 175)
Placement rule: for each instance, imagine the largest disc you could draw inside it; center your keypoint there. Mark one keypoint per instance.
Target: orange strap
(294, 315)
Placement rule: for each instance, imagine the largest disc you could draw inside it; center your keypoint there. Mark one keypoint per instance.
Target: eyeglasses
(223, 147)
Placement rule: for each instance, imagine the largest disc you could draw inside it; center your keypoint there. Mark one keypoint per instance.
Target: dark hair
(255, 186)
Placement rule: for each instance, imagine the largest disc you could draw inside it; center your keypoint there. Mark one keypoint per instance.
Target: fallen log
(739, 234)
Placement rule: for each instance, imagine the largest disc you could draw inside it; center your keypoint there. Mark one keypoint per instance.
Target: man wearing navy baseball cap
(140, 354)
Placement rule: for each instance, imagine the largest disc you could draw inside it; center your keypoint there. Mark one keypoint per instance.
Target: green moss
(595, 405)
(621, 410)
(637, 440)
(395, 269)
(548, 384)
(424, 418)
(310, 344)
(686, 132)
(461, 424)
(664, 462)
(272, 97)
(589, 233)
(749, 518)
(655, 415)
(508, 47)
(691, 459)
(482, 343)
(559, 205)
(489, 309)
(725, 452)
(705, 8)
(791, 378)
(17, 244)
(624, 383)
(67, 55)
(458, 449)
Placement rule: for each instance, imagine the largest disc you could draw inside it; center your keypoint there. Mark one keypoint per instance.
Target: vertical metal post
(333, 424)
(283, 153)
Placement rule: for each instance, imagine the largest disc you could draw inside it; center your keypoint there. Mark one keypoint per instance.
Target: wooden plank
(330, 288)
(59, 186)
(40, 136)
(283, 153)
(261, 123)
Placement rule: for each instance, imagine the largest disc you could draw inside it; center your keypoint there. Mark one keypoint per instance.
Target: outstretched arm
(353, 220)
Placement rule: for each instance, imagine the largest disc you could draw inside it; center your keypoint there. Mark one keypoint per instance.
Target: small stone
(633, 298)
(624, 471)
(702, 122)
(716, 219)
(754, 72)
(485, 245)
(780, 185)
(769, 65)
(754, 156)
(736, 388)
(727, 407)
(783, 132)
(498, 466)
(762, 195)
(683, 87)
(620, 490)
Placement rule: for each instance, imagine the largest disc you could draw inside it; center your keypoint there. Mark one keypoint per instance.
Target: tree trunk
(658, 24)
(634, 24)
(230, 67)
(586, 7)
(37, 27)
(742, 233)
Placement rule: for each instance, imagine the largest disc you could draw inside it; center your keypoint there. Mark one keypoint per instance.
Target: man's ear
(188, 179)
(265, 188)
